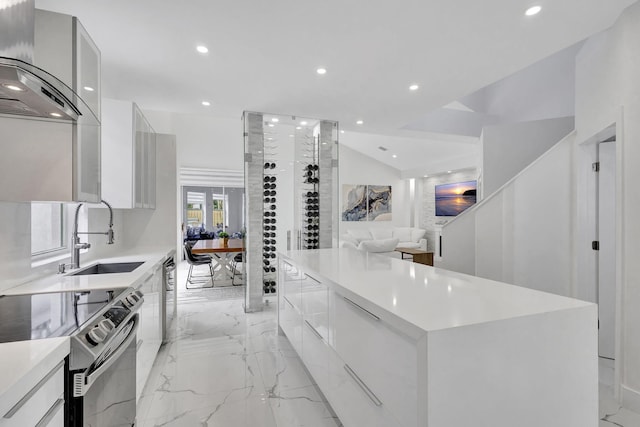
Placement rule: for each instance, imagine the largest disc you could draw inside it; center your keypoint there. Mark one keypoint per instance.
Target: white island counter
(394, 343)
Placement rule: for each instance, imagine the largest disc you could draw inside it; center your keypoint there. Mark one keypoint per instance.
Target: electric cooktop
(49, 315)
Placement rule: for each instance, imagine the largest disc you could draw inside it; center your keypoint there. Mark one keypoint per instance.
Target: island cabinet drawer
(290, 279)
(383, 357)
(315, 354)
(315, 304)
(353, 400)
(42, 405)
(290, 321)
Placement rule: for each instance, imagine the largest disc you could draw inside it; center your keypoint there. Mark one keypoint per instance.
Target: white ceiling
(263, 55)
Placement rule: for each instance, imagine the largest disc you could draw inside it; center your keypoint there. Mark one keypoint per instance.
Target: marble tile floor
(225, 368)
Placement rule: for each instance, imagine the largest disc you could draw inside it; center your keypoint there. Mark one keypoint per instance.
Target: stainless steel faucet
(76, 246)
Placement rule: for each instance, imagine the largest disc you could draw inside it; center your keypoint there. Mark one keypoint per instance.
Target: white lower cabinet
(150, 330)
(42, 405)
(384, 358)
(366, 369)
(352, 399)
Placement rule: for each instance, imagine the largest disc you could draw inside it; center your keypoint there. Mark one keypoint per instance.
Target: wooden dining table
(222, 255)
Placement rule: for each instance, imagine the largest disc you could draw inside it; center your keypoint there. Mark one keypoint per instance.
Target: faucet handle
(62, 267)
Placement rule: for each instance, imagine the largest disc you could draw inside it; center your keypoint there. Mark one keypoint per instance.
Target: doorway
(606, 246)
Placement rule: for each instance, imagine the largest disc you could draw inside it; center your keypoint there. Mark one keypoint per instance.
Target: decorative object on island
(366, 202)
(225, 238)
(291, 156)
(454, 198)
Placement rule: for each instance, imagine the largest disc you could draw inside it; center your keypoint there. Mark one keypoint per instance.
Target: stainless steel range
(100, 389)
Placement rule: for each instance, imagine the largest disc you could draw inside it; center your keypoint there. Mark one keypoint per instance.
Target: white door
(607, 252)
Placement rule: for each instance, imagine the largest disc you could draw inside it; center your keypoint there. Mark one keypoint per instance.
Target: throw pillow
(417, 234)
(385, 245)
(360, 235)
(382, 233)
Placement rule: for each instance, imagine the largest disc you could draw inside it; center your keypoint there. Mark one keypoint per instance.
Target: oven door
(104, 395)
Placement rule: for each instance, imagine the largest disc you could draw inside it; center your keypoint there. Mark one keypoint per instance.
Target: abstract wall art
(366, 202)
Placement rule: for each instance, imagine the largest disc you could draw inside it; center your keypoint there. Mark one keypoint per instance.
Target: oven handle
(82, 381)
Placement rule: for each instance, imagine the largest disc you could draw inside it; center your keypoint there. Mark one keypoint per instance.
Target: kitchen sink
(115, 267)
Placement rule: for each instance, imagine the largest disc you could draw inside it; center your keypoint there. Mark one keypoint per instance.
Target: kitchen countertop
(24, 363)
(152, 257)
(424, 297)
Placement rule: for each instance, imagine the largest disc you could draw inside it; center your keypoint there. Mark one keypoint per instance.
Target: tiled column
(253, 172)
(328, 188)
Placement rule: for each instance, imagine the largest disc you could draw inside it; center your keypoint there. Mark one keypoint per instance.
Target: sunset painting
(452, 199)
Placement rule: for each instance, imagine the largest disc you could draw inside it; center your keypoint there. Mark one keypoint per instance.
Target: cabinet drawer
(352, 399)
(291, 323)
(315, 354)
(315, 304)
(44, 399)
(290, 284)
(383, 357)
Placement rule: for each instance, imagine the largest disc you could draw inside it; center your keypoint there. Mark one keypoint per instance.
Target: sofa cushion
(417, 234)
(382, 233)
(402, 233)
(384, 245)
(409, 245)
(360, 235)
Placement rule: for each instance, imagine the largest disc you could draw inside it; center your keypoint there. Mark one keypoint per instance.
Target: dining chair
(196, 260)
(238, 258)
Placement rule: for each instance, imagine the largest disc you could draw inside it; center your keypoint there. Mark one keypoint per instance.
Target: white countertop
(24, 363)
(151, 257)
(426, 297)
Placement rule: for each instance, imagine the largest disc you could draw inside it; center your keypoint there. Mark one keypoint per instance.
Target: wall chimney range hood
(26, 90)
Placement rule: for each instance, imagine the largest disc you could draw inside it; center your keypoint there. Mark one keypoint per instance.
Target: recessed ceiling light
(89, 89)
(275, 120)
(55, 114)
(324, 143)
(269, 139)
(206, 103)
(395, 156)
(271, 125)
(202, 49)
(303, 123)
(13, 87)
(321, 71)
(448, 171)
(298, 127)
(359, 122)
(533, 10)
(291, 136)
(426, 176)
(341, 131)
(414, 87)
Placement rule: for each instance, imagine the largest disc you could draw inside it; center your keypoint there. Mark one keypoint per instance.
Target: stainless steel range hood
(26, 90)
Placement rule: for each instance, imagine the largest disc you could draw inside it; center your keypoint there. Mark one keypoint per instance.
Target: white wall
(523, 234)
(203, 141)
(607, 88)
(356, 168)
(507, 149)
(15, 243)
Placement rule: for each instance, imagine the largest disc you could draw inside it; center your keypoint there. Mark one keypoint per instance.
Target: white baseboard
(631, 399)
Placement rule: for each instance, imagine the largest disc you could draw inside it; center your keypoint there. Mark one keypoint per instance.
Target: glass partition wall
(291, 179)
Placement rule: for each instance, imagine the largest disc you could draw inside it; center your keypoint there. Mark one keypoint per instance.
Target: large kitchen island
(394, 343)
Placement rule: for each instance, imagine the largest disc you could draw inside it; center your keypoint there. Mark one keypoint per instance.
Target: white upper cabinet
(128, 156)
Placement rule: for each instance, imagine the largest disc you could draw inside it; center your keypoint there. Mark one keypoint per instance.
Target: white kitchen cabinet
(384, 358)
(150, 330)
(42, 405)
(128, 156)
(50, 160)
(289, 314)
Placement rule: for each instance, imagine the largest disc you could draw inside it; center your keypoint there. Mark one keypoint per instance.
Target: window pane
(46, 227)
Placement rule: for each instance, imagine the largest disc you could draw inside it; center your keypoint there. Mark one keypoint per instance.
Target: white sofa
(385, 240)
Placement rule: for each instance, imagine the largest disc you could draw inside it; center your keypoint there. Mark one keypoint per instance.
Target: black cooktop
(49, 315)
